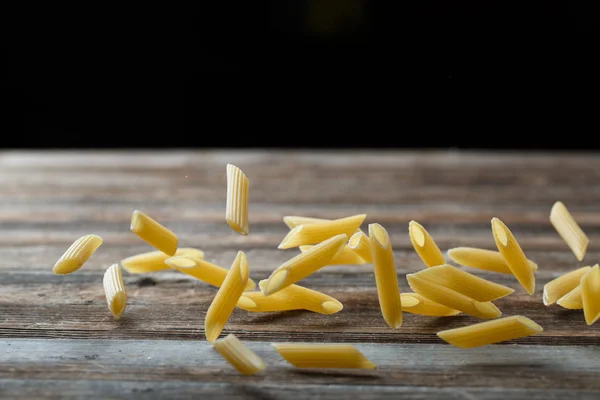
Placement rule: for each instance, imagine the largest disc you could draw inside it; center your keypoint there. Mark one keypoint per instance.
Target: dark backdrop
(305, 73)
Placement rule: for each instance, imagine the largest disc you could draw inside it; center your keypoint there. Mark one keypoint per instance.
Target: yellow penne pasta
(239, 355)
(490, 332)
(346, 256)
(572, 300)
(236, 213)
(317, 232)
(154, 233)
(590, 294)
(361, 244)
(416, 304)
(559, 287)
(569, 230)
(323, 355)
(293, 221)
(424, 245)
(386, 278)
(114, 289)
(305, 264)
(226, 298)
(450, 298)
(155, 260)
(203, 270)
(513, 255)
(463, 282)
(488, 260)
(77, 254)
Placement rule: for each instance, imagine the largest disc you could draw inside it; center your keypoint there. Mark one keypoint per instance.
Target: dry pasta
(155, 260)
(239, 355)
(236, 213)
(293, 221)
(77, 254)
(590, 294)
(114, 289)
(416, 304)
(490, 332)
(203, 270)
(424, 245)
(386, 278)
(559, 287)
(317, 232)
(361, 244)
(572, 300)
(568, 229)
(154, 233)
(513, 255)
(488, 260)
(346, 256)
(226, 298)
(323, 355)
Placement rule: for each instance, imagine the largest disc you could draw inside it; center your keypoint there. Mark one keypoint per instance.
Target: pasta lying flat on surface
(488, 260)
(361, 244)
(239, 355)
(155, 260)
(513, 255)
(77, 254)
(424, 245)
(346, 256)
(293, 221)
(317, 232)
(323, 355)
(416, 304)
(572, 300)
(236, 213)
(590, 294)
(489, 332)
(568, 229)
(559, 287)
(154, 233)
(203, 270)
(114, 289)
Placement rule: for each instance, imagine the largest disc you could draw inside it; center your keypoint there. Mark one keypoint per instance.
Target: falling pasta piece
(323, 355)
(513, 255)
(77, 254)
(568, 229)
(203, 270)
(590, 294)
(416, 304)
(361, 244)
(155, 260)
(114, 289)
(490, 332)
(572, 300)
(238, 186)
(305, 264)
(463, 282)
(293, 221)
(226, 298)
(239, 355)
(488, 260)
(317, 232)
(386, 278)
(559, 287)
(424, 245)
(154, 233)
(346, 256)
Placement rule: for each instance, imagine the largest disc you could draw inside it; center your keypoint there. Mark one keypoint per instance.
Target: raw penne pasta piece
(416, 304)
(238, 186)
(323, 355)
(559, 287)
(226, 298)
(569, 230)
(590, 294)
(572, 300)
(77, 254)
(361, 244)
(463, 282)
(490, 332)
(203, 270)
(488, 260)
(317, 232)
(154, 233)
(386, 278)
(453, 299)
(293, 221)
(424, 245)
(304, 264)
(239, 355)
(513, 255)
(114, 289)
(346, 256)
(155, 260)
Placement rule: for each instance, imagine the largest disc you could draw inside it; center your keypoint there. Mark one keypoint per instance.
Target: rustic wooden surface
(58, 340)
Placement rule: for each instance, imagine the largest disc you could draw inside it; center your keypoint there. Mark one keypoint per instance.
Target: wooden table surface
(58, 339)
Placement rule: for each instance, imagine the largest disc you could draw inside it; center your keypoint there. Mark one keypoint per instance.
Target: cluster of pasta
(440, 289)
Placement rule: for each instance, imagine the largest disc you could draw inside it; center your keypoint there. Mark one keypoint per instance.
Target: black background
(468, 74)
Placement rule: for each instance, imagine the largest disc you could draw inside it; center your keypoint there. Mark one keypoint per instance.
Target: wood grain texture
(58, 339)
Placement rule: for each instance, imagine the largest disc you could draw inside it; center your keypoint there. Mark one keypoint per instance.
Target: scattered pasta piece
(568, 229)
(559, 287)
(416, 304)
(154, 233)
(513, 255)
(490, 332)
(590, 294)
(293, 221)
(323, 355)
(346, 256)
(239, 355)
(114, 289)
(361, 244)
(155, 260)
(424, 245)
(386, 278)
(226, 298)
(572, 300)
(236, 213)
(317, 232)
(203, 270)
(488, 260)
(77, 254)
